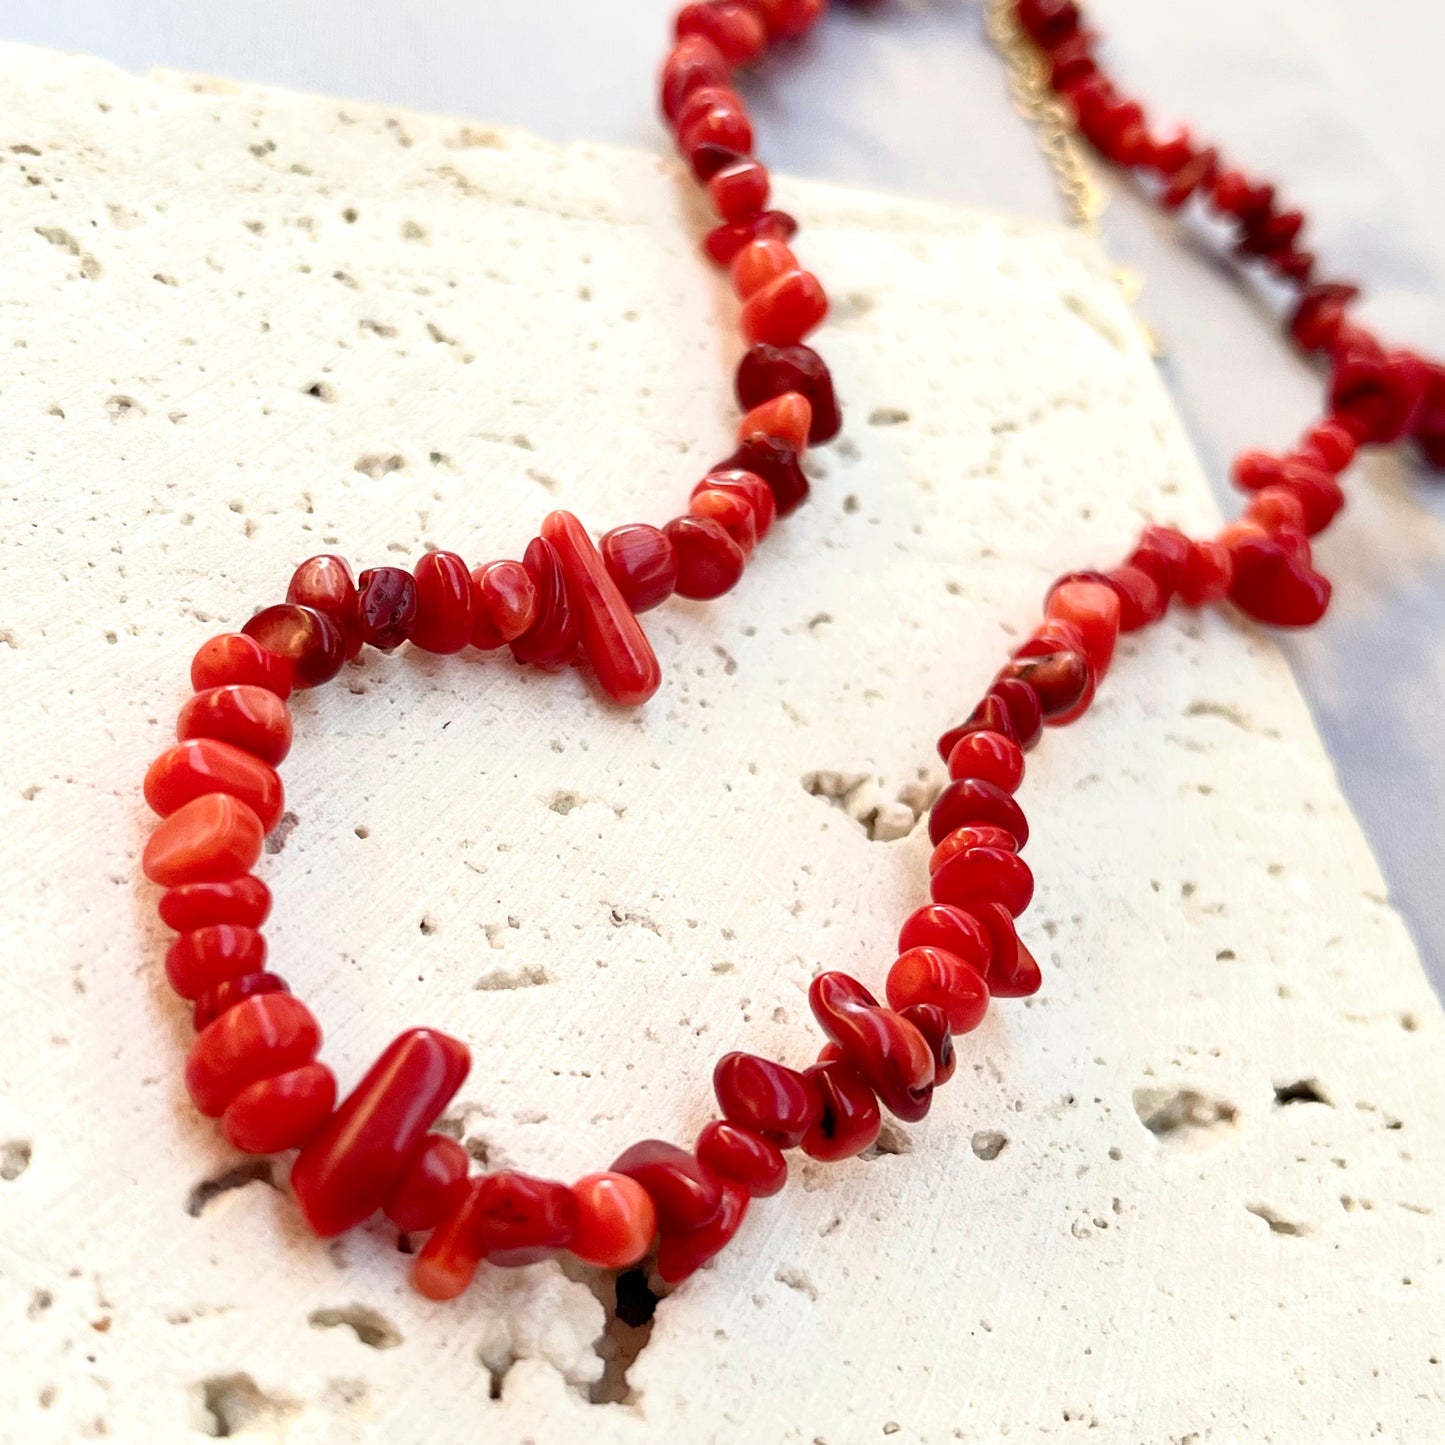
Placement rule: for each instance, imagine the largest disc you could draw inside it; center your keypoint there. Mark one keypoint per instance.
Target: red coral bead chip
(199, 960)
(443, 603)
(245, 901)
(786, 418)
(234, 657)
(1093, 608)
(984, 875)
(325, 584)
(386, 606)
(212, 839)
(640, 560)
(752, 489)
(992, 756)
(684, 1192)
(777, 464)
(1012, 970)
(192, 769)
(933, 975)
(693, 62)
(280, 1112)
(1021, 703)
(739, 190)
(767, 371)
(725, 241)
(734, 26)
(746, 1158)
(681, 1253)
(971, 835)
(551, 642)
(504, 603)
(448, 1261)
(433, 1185)
(850, 1118)
(216, 1001)
(616, 1220)
(521, 1219)
(956, 931)
(1207, 574)
(886, 1049)
(972, 800)
(709, 562)
(785, 310)
(767, 1098)
(731, 511)
(264, 1035)
(932, 1022)
(307, 640)
(251, 718)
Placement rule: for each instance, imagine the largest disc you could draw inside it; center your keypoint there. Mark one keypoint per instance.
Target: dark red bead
(1048, 22)
(1025, 714)
(325, 585)
(972, 800)
(308, 641)
(767, 371)
(433, 1185)
(778, 465)
(1198, 171)
(640, 560)
(984, 875)
(1319, 314)
(245, 901)
(521, 1220)
(1141, 599)
(709, 562)
(1062, 680)
(765, 1097)
(443, 603)
(1161, 552)
(937, 925)
(214, 1002)
(682, 1252)
(197, 961)
(989, 716)
(386, 606)
(1012, 971)
(1383, 391)
(357, 1162)
(685, 1193)
(1207, 574)
(850, 1117)
(743, 1157)
(1071, 61)
(1274, 586)
(932, 1022)
(551, 641)
(886, 1049)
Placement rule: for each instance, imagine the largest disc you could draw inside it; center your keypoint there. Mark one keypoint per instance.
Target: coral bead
(433, 1185)
(765, 1097)
(309, 642)
(224, 996)
(325, 585)
(640, 560)
(936, 925)
(615, 1222)
(682, 1253)
(723, 242)
(784, 311)
(932, 1022)
(621, 656)
(245, 901)
(886, 1049)
(357, 1162)
(248, 717)
(281, 1112)
(743, 1157)
(192, 769)
(213, 839)
(971, 800)
(752, 489)
(767, 371)
(1012, 971)
(777, 464)
(731, 511)
(448, 1260)
(988, 755)
(709, 562)
(1274, 586)
(197, 961)
(551, 642)
(984, 875)
(932, 975)
(786, 418)
(504, 603)
(235, 658)
(1062, 680)
(684, 1193)
(1207, 573)
(1092, 607)
(739, 190)
(264, 1035)
(760, 262)
(443, 603)
(1141, 599)
(850, 1118)
(1021, 702)
(386, 606)
(520, 1219)
(693, 62)
(975, 835)
(734, 26)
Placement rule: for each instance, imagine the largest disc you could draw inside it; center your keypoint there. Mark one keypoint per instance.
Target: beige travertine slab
(244, 326)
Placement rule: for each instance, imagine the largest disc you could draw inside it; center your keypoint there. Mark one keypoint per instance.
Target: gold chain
(1028, 81)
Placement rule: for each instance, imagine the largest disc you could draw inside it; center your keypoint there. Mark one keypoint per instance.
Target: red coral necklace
(254, 1061)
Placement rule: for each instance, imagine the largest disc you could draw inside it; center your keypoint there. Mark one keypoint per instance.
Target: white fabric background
(1338, 101)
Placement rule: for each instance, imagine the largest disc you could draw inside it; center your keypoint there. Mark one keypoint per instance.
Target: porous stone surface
(1191, 1192)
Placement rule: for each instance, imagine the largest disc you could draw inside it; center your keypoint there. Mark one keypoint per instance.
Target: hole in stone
(891, 1140)
(1184, 1116)
(377, 465)
(321, 390)
(428, 924)
(989, 1143)
(1302, 1091)
(276, 838)
(14, 1159)
(887, 416)
(235, 1404)
(1277, 1224)
(370, 1326)
(253, 1171)
(630, 1304)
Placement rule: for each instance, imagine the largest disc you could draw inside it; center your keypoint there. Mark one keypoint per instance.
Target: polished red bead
(245, 901)
(280, 1112)
(443, 603)
(251, 718)
(235, 658)
(765, 1097)
(621, 656)
(786, 418)
(199, 960)
(767, 371)
(752, 489)
(681, 1253)
(640, 560)
(745, 1158)
(521, 1219)
(264, 1035)
(1021, 703)
(992, 756)
(706, 98)
(784, 311)
(972, 800)
(200, 766)
(989, 716)
(975, 835)
(213, 839)
(1063, 680)
(932, 975)
(789, 19)
(714, 138)
(216, 1001)
(355, 1164)
(684, 1192)
(1319, 315)
(1382, 392)
(504, 603)
(978, 875)
(723, 242)
(850, 1118)
(1275, 508)
(1012, 971)
(325, 585)
(886, 1049)
(693, 62)
(739, 190)
(616, 1220)
(731, 511)
(777, 464)
(1141, 599)
(551, 642)
(759, 262)
(310, 643)
(734, 26)
(709, 562)
(932, 1022)
(1274, 586)
(1161, 552)
(954, 930)
(1329, 444)
(1199, 170)
(1207, 574)
(386, 606)
(433, 1185)
(1092, 607)
(448, 1260)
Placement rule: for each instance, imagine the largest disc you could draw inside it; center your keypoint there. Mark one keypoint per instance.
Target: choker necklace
(253, 1063)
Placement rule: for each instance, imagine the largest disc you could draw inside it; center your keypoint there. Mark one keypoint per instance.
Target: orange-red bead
(199, 960)
(785, 310)
(787, 418)
(212, 839)
(234, 657)
(504, 603)
(759, 262)
(932, 975)
(200, 766)
(280, 1112)
(731, 511)
(248, 717)
(616, 1220)
(245, 901)
(265, 1035)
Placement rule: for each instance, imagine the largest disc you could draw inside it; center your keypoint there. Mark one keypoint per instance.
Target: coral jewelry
(254, 1064)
